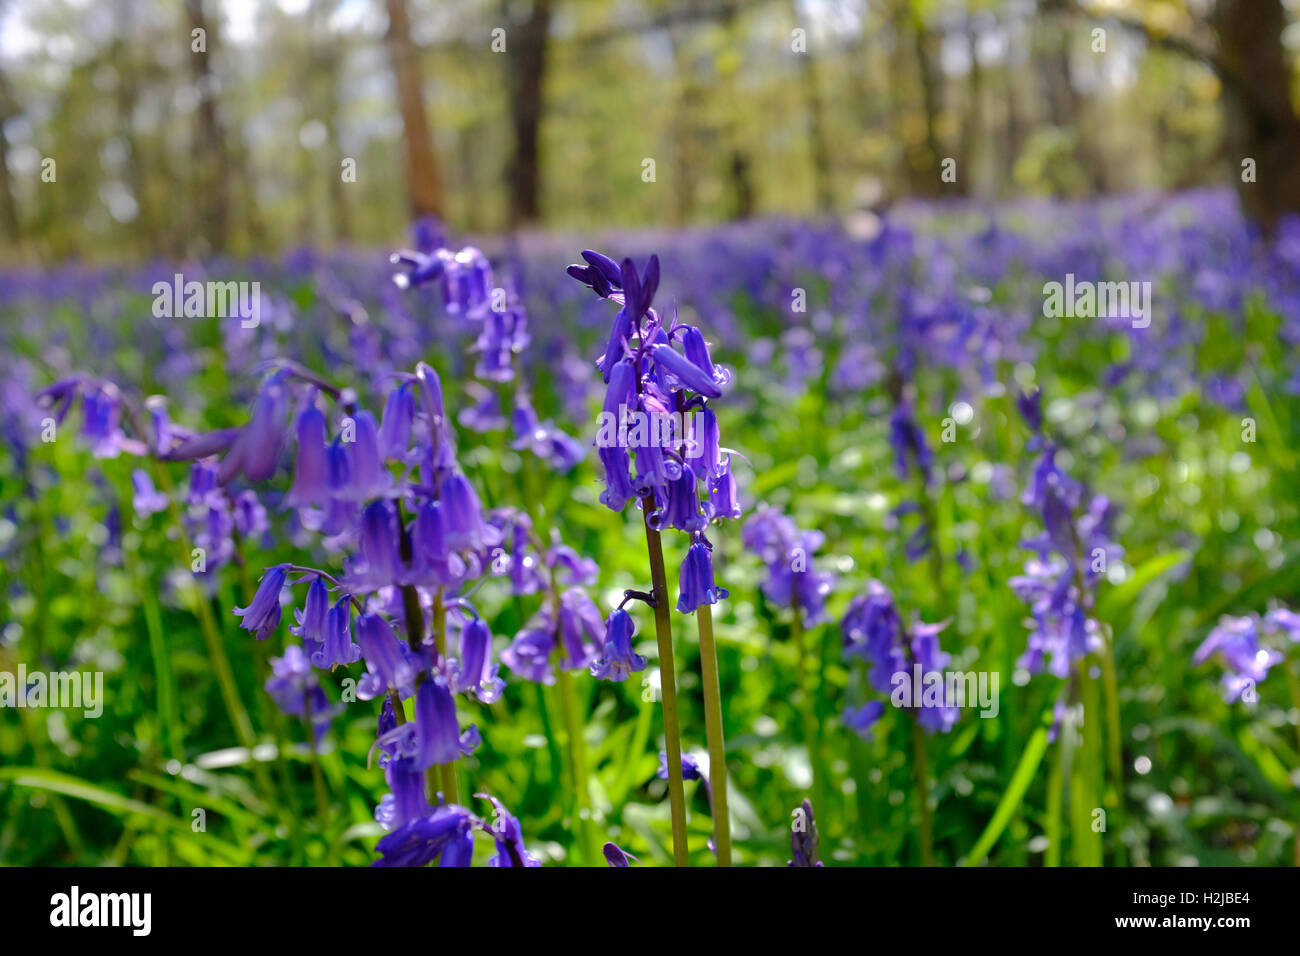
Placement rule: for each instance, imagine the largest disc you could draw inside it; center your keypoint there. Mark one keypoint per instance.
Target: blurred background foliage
(164, 151)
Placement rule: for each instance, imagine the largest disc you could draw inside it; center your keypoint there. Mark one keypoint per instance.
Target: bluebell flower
(690, 767)
(1237, 641)
(862, 720)
(337, 647)
(311, 469)
(256, 450)
(310, 626)
(423, 840)
(406, 799)
(294, 687)
(437, 730)
(803, 838)
(509, 837)
(475, 672)
(147, 500)
(617, 661)
(388, 660)
(397, 422)
(462, 514)
(696, 586)
(262, 616)
(615, 856)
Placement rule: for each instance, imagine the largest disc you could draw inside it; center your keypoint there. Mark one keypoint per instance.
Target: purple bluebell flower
(617, 661)
(475, 672)
(388, 660)
(337, 647)
(311, 468)
(294, 687)
(696, 584)
(310, 626)
(437, 731)
(615, 856)
(397, 422)
(690, 767)
(147, 500)
(406, 799)
(262, 616)
(803, 838)
(446, 832)
(509, 837)
(862, 720)
(256, 450)
(1237, 641)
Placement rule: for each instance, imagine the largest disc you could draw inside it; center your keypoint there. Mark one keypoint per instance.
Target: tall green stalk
(668, 683)
(713, 731)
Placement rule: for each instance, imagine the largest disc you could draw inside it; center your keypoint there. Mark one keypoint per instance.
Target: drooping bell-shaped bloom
(682, 508)
(310, 626)
(724, 495)
(147, 500)
(615, 856)
(311, 468)
(696, 586)
(256, 450)
(388, 663)
(861, 720)
(434, 563)
(294, 687)
(618, 477)
(101, 412)
(582, 629)
(437, 731)
(337, 647)
(249, 514)
(475, 673)
(685, 372)
(379, 559)
(423, 840)
(202, 483)
(462, 514)
(697, 352)
(367, 476)
(872, 630)
(395, 427)
(617, 660)
(262, 616)
(690, 767)
(1236, 640)
(530, 653)
(803, 838)
(509, 836)
(406, 799)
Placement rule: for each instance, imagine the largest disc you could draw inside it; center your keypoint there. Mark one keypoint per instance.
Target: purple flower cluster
(1070, 555)
(1240, 643)
(792, 580)
(897, 653)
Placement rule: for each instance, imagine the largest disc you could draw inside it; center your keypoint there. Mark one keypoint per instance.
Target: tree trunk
(526, 60)
(421, 160)
(210, 163)
(1260, 122)
(8, 203)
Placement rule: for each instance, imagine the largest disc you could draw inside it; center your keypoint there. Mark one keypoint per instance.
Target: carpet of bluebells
(365, 587)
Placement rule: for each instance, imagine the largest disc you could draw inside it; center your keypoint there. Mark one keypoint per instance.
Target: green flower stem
(577, 765)
(713, 731)
(668, 683)
(923, 794)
